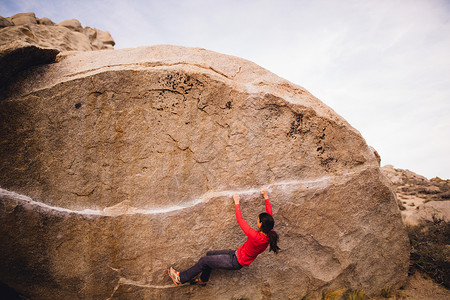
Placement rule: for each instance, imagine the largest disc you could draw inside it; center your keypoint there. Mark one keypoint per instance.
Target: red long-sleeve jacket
(256, 241)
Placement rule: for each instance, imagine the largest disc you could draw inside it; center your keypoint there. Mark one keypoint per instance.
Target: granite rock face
(117, 164)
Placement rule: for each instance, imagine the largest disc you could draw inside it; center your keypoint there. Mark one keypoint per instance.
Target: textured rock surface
(419, 198)
(68, 35)
(128, 160)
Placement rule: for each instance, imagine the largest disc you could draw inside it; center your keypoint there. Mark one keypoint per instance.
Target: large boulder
(100, 39)
(24, 19)
(72, 24)
(117, 164)
(46, 21)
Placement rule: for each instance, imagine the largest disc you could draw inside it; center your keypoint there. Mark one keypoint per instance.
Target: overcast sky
(384, 65)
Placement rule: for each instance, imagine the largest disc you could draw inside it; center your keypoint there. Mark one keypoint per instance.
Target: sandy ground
(410, 202)
(420, 287)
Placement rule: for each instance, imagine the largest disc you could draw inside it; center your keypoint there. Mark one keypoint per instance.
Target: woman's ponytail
(273, 240)
(267, 227)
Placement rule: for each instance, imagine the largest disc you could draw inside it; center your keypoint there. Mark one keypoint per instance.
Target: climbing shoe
(175, 275)
(198, 281)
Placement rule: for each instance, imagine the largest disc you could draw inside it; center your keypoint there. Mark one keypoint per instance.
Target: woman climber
(257, 241)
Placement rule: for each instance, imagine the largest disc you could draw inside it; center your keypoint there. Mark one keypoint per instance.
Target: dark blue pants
(220, 259)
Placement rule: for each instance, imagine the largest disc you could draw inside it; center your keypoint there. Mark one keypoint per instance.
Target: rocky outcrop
(24, 19)
(27, 41)
(419, 198)
(117, 164)
(68, 35)
(4, 22)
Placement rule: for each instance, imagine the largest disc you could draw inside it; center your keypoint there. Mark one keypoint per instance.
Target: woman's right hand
(236, 198)
(265, 194)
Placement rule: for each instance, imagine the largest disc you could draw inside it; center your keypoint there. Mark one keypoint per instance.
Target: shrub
(386, 292)
(430, 250)
(333, 295)
(341, 294)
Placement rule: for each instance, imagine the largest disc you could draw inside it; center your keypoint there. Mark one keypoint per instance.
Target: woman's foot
(175, 275)
(198, 281)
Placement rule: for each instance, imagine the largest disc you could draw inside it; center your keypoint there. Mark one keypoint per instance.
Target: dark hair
(267, 227)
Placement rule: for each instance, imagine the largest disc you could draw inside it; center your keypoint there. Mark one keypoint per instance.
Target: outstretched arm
(244, 226)
(266, 200)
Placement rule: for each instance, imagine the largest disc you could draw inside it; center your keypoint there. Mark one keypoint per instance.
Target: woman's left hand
(236, 198)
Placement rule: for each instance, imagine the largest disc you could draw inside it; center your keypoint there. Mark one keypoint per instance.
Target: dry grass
(343, 294)
(386, 292)
(333, 295)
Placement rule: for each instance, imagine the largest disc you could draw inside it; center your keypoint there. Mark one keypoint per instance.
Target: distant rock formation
(27, 41)
(66, 36)
(419, 198)
(117, 164)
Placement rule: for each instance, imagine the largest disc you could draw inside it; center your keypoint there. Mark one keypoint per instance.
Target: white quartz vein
(125, 209)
